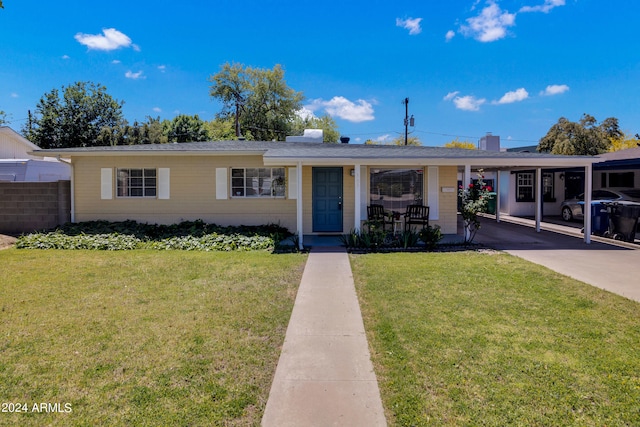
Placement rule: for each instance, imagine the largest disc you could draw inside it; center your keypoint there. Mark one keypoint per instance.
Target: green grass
(466, 339)
(142, 337)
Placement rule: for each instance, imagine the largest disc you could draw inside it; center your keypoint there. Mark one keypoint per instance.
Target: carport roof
(292, 153)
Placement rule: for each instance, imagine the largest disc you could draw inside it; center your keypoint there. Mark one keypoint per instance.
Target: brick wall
(31, 206)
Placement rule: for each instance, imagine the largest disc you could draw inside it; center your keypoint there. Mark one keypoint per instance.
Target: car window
(633, 193)
(604, 195)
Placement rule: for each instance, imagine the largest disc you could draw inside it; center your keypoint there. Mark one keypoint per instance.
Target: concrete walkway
(325, 376)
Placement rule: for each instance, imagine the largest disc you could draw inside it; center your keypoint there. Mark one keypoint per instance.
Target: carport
(537, 162)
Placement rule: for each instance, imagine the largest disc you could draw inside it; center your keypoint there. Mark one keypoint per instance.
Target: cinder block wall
(29, 206)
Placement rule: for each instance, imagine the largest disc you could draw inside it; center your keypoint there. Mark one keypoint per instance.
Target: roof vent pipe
(345, 139)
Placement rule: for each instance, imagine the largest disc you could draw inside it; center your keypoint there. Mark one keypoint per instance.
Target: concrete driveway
(604, 263)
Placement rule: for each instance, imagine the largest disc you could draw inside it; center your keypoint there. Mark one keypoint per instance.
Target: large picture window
(137, 183)
(395, 189)
(257, 182)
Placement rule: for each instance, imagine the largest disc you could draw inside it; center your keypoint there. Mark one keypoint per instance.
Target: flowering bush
(474, 199)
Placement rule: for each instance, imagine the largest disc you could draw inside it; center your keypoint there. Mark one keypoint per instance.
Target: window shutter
(106, 183)
(432, 192)
(222, 186)
(292, 183)
(164, 187)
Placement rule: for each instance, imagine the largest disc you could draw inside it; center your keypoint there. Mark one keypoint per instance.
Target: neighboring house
(310, 188)
(17, 165)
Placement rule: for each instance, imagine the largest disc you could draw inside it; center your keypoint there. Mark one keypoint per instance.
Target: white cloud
(451, 95)
(115, 61)
(157, 109)
(135, 76)
(14, 95)
(339, 106)
(554, 90)
(545, 8)
(411, 24)
(110, 39)
(490, 25)
(513, 96)
(66, 57)
(305, 113)
(450, 34)
(467, 103)
(383, 138)
(162, 68)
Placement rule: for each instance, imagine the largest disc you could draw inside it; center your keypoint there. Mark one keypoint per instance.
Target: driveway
(606, 265)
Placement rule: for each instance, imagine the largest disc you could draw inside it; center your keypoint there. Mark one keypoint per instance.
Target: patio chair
(416, 214)
(377, 215)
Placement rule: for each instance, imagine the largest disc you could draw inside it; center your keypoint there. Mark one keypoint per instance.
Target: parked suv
(572, 208)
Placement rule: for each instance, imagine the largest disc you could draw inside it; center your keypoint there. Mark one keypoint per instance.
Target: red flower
(489, 188)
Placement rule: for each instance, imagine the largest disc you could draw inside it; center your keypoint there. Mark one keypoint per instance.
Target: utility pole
(408, 121)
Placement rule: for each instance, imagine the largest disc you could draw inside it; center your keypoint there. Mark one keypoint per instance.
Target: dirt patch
(6, 241)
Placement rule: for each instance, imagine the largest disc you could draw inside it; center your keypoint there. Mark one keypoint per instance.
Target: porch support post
(538, 198)
(299, 208)
(497, 191)
(588, 187)
(466, 180)
(357, 189)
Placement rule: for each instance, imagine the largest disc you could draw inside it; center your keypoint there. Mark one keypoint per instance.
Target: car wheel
(566, 214)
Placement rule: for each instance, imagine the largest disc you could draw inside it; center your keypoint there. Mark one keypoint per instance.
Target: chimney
(345, 139)
(490, 142)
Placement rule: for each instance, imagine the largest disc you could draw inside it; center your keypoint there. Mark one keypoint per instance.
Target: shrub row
(127, 235)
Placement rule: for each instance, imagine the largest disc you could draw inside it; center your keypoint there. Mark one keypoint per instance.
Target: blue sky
(510, 67)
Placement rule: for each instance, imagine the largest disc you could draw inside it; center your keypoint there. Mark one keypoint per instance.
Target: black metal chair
(416, 214)
(377, 215)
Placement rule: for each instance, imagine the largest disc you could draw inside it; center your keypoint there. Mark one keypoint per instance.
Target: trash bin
(623, 220)
(599, 217)
(491, 203)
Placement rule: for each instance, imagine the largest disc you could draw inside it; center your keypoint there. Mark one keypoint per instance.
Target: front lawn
(141, 337)
(488, 339)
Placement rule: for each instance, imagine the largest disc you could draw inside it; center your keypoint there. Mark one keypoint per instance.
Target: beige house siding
(448, 201)
(192, 193)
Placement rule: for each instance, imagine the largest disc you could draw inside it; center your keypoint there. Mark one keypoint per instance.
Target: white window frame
(525, 180)
(145, 184)
(239, 187)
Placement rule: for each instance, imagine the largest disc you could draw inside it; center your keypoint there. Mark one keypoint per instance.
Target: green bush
(127, 235)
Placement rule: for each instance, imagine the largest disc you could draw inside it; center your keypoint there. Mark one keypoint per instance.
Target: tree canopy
(585, 137)
(261, 104)
(624, 142)
(412, 140)
(456, 143)
(326, 123)
(74, 120)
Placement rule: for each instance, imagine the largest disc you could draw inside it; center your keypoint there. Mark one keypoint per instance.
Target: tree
(583, 138)
(624, 142)
(3, 118)
(185, 128)
(329, 127)
(411, 140)
(456, 143)
(221, 129)
(75, 120)
(259, 100)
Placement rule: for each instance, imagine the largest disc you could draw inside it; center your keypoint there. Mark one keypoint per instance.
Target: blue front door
(327, 199)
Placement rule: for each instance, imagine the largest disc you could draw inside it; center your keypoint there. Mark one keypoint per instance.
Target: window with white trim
(137, 183)
(524, 186)
(257, 182)
(548, 192)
